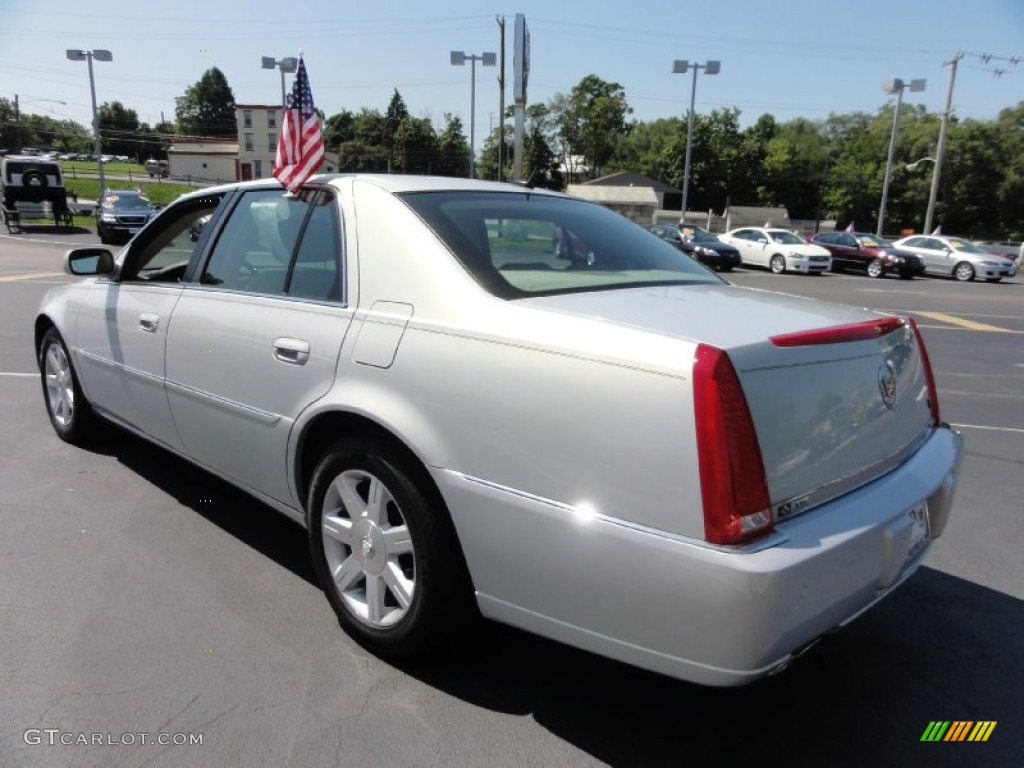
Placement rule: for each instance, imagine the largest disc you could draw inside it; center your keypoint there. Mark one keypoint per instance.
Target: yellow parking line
(970, 325)
(33, 276)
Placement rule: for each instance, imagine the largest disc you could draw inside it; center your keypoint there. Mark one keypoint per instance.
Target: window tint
(259, 249)
(164, 250)
(315, 273)
(519, 244)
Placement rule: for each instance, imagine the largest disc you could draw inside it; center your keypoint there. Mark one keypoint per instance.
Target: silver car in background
(609, 445)
(944, 255)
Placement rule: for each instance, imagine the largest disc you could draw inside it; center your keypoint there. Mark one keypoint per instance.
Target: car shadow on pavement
(261, 527)
(940, 648)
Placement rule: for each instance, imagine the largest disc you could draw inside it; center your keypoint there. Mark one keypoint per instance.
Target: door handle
(294, 351)
(149, 322)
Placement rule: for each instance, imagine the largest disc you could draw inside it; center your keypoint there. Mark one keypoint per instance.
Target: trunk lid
(829, 416)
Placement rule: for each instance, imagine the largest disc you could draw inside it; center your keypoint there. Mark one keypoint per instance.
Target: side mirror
(88, 261)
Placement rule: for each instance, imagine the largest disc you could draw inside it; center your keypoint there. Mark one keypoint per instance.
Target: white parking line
(20, 239)
(992, 429)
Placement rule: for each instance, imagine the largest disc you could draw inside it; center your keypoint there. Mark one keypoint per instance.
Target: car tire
(777, 264)
(837, 268)
(963, 272)
(906, 275)
(876, 268)
(725, 268)
(70, 413)
(33, 179)
(384, 549)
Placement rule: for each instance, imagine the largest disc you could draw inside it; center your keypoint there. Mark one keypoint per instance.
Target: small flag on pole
(938, 230)
(300, 149)
(849, 227)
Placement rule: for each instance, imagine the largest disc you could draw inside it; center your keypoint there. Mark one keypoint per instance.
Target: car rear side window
(279, 244)
(518, 244)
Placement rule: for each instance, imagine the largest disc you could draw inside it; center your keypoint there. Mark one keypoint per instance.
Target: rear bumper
(714, 616)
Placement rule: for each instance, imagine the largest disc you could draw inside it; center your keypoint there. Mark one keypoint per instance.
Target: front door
(122, 323)
(256, 340)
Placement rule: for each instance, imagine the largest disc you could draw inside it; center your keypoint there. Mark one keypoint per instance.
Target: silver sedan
(608, 445)
(944, 255)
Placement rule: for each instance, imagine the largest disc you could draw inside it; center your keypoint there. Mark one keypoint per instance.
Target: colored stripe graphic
(982, 730)
(958, 730)
(935, 730)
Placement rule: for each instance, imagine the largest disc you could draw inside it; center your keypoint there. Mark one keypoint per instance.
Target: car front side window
(163, 253)
(254, 248)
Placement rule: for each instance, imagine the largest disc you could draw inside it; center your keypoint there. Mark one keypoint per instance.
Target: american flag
(300, 149)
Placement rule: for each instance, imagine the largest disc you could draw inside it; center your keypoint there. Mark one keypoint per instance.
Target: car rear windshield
(524, 244)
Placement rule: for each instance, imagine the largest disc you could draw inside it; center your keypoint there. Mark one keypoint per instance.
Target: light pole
(17, 120)
(459, 59)
(287, 66)
(896, 86)
(680, 68)
(100, 55)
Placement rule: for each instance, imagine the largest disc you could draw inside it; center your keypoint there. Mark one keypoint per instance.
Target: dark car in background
(122, 213)
(876, 255)
(699, 244)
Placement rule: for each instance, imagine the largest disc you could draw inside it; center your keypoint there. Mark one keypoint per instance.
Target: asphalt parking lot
(139, 594)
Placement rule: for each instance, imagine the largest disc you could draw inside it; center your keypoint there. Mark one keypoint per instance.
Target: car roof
(394, 183)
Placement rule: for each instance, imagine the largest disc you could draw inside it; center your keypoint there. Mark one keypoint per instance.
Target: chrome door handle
(294, 351)
(149, 322)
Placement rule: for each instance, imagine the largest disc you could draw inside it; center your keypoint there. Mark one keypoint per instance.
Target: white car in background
(778, 250)
(609, 446)
(945, 255)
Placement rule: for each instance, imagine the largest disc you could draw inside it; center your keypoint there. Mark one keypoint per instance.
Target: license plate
(919, 530)
(133, 230)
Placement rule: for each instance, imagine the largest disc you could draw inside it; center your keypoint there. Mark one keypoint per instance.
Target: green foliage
(589, 121)
(207, 108)
(119, 128)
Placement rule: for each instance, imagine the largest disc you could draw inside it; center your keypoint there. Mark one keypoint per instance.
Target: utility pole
(501, 102)
(17, 127)
(940, 150)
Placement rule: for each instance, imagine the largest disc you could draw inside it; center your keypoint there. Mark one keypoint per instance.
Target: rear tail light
(733, 484)
(929, 375)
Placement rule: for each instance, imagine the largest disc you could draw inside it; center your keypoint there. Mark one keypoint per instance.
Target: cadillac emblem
(887, 384)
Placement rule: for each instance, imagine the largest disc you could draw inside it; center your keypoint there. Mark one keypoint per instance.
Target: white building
(259, 126)
(212, 160)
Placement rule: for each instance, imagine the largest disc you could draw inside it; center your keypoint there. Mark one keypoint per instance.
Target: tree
(589, 121)
(358, 157)
(416, 145)
(207, 108)
(339, 128)
(119, 128)
(452, 149)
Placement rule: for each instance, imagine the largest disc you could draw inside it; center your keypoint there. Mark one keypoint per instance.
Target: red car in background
(876, 255)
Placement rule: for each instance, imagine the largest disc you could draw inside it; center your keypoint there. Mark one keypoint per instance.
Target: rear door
(255, 339)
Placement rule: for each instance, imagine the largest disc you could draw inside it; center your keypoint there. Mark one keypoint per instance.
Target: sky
(794, 58)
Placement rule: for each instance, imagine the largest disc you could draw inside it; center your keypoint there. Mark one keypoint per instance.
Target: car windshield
(696, 234)
(786, 238)
(873, 241)
(522, 244)
(965, 246)
(137, 202)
